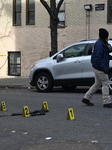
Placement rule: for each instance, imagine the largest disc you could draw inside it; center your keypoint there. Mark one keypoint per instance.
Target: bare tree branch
(2, 6)
(53, 11)
(47, 7)
(59, 5)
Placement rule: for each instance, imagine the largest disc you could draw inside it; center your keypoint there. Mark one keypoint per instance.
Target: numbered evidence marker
(45, 106)
(3, 106)
(70, 114)
(25, 112)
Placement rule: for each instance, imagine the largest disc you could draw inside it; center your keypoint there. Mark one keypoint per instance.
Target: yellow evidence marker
(70, 114)
(3, 106)
(45, 106)
(25, 112)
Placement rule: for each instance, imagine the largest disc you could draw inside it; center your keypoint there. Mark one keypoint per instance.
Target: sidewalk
(17, 82)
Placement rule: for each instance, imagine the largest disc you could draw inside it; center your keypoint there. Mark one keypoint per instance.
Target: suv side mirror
(59, 57)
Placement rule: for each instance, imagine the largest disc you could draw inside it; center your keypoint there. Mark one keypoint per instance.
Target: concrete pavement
(17, 82)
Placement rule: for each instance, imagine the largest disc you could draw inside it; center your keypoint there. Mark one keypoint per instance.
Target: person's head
(103, 34)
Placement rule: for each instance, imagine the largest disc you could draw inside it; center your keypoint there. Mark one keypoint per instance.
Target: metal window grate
(14, 64)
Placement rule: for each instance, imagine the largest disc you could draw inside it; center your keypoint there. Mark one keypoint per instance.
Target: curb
(63, 146)
(15, 87)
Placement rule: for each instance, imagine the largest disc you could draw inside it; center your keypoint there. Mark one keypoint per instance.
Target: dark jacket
(100, 56)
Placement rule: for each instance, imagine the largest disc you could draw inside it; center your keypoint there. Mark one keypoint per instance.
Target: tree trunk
(54, 43)
(53, 25)
(53, 12)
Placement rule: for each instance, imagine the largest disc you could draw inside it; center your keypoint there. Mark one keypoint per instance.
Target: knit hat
(103, 33)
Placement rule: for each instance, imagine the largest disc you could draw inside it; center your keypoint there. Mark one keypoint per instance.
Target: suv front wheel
(43, 82)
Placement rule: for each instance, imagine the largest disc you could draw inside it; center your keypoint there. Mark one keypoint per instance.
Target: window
(91, 48)
(74, 51)
(61, 15)
(17, 12)
(30, 12)
(109, 13)
(14, 64)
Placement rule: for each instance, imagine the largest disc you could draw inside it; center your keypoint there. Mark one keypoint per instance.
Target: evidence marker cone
(70, 114)
(45, 106)
(3, 106)
(25, 112)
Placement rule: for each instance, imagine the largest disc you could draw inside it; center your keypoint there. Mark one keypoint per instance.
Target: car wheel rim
(42, 83)
(110, 83)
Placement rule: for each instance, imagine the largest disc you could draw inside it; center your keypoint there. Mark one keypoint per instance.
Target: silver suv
(68, 68)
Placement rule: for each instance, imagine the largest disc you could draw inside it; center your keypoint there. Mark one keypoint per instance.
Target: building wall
(33, 41)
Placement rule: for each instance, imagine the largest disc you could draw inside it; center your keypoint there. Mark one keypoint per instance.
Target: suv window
(91, 46)
(74, 51)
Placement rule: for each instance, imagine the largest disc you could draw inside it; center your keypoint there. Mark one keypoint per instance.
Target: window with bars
(30, 12)
(61, 14)
(14, 63)
(109, 13)
(17, 12)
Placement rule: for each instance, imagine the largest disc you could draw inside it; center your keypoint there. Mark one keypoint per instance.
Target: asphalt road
(93, 125)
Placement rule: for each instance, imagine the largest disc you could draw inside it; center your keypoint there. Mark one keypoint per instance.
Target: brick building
(25, 32)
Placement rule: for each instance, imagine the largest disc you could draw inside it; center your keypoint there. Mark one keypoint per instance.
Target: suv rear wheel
(43, 82)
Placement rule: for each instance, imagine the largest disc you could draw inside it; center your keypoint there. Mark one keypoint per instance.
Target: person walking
(100, 63)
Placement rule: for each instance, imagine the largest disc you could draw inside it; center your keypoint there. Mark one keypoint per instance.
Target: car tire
(110, 83)
(43, 82)
(69, 88)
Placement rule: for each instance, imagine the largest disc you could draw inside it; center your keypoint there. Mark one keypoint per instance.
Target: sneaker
(87, 102)
(107, 105)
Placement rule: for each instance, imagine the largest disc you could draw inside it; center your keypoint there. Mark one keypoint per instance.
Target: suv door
(71, 65)
(87, 71)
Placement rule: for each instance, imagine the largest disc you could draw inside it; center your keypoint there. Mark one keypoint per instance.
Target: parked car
(69, 68)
